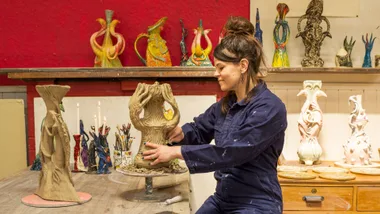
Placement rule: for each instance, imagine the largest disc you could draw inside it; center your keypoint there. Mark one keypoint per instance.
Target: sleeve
(253, 137)
(201, 131)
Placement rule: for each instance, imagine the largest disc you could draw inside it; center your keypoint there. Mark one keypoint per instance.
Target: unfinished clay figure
(358, 150)
(310, 122)
(55, 179)
(153, 125)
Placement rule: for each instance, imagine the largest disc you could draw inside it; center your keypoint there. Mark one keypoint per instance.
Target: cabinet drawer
(317, 198)
(368, 199)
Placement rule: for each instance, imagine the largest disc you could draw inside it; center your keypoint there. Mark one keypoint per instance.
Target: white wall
(367, 22)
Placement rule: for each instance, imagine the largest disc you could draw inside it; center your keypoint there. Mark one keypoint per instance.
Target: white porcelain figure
(358, 150)
(310, 123)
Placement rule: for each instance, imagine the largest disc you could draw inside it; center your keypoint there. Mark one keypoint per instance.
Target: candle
(99, 118)
(77, 122)
(104, 126)
(96, 125)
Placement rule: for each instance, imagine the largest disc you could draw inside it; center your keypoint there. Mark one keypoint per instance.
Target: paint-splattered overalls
(249, 140)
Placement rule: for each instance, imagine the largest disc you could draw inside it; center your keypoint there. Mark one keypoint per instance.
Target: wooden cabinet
(361, 195)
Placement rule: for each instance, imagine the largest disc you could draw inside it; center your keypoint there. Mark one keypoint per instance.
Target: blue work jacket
(248, 141)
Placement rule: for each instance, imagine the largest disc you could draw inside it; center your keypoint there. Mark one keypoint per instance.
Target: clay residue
(173, 168)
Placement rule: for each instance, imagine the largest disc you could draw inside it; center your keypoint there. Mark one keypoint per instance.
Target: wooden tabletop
(108, 194)
(360, 179)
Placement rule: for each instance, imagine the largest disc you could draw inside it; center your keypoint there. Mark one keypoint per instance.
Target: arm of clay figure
(136, 104)
(169, 97)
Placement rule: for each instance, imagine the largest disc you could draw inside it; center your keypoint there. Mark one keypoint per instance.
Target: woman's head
(238, 56)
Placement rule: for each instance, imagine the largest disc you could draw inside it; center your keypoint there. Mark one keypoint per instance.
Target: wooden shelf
(298, 74)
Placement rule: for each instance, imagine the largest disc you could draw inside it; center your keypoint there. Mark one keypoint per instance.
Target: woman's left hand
(161, 153)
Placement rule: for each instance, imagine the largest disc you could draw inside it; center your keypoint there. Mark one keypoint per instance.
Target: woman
(248, 126)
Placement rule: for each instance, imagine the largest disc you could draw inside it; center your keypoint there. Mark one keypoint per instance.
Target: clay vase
(55, 181)
(153, 125)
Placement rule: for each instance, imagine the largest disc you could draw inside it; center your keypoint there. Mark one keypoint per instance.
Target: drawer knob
(313, 198)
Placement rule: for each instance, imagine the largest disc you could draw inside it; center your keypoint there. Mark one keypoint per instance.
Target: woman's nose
(216, 74)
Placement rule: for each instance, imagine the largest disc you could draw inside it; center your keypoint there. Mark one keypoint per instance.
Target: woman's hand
(161, 153)
(176, 135)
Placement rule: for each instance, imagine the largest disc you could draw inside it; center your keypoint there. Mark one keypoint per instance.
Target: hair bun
(237, 25)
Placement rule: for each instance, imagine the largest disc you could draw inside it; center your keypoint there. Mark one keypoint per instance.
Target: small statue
(342, 58)
(157, 53)
(357, 151)
(312, 36)
(310, 123)
(258, 31)
(182, 44)
(55, 182)
(280, 58)
(83, 157)
(107, 54)
(377, 61)
(103, 151)
(92, 165)
(200, 56)
(122, 153)
(367, 63)
(153, 126)
(348, 47)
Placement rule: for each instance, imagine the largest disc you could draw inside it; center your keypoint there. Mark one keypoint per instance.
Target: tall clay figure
(310, 122)
(153, 126)
(107, 53)
(348, 46)
(55, 182)
(280, 58)
(258, 31)
(182, 44)
(200, 56)
(367, 63)
(358, 150)
(313, 35)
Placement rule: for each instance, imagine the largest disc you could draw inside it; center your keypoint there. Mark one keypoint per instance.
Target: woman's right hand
(176, 135)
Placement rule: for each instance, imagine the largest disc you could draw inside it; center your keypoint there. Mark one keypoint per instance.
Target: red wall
(56, 33)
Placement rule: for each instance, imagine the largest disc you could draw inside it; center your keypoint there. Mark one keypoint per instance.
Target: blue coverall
(248, 141)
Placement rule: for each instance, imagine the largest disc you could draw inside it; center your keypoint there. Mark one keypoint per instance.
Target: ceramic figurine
(55, 182)
(84, 146)
(157, 53)
(77, 164)
(200, 56)
(367, 63)
(358, 149)
(280, 58)
(342, 58)
(182, 44)
(122, 153)
(36, 166)
(348, 46)
(310, 123)
(313, 35)
(258, 31)
(92, 165)
(153, 126)
(103, 151)
(377, 61)
(107, 53)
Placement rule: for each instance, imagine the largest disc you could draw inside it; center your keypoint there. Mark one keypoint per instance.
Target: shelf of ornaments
(292, 74)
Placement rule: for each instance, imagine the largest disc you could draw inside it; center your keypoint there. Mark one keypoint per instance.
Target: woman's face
(228, 75)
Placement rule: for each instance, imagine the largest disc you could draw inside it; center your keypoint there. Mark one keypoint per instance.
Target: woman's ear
(244, 65)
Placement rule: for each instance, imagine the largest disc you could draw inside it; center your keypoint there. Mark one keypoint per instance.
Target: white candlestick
(104, 126)
(77, 122)
(96, 125)
(99, 118)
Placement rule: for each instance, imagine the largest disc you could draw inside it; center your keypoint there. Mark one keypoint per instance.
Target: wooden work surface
(355, 196)
(108, 194)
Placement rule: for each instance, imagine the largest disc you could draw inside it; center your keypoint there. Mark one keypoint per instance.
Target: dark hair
(238, 43)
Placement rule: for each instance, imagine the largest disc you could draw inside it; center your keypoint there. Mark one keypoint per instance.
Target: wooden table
(108, 194)
(361, 195)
